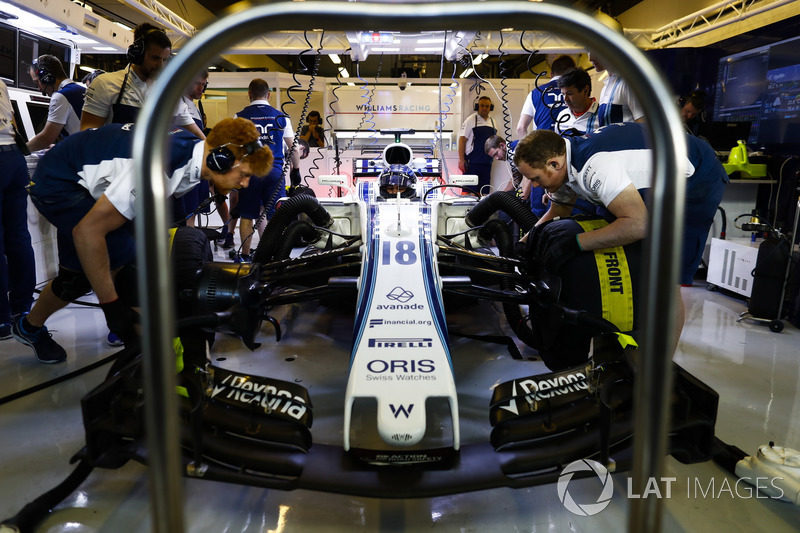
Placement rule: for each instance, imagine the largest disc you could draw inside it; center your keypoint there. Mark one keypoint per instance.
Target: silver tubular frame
(662, 246)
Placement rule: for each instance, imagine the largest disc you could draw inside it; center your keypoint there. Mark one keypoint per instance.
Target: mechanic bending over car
(612, 168)
(85, 187)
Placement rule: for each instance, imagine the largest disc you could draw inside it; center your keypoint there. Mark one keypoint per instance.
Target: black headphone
(221, 159)
(491, 108)
(43, 73)
(135, 53)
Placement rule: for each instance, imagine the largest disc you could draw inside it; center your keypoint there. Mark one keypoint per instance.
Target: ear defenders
(43, 73)
(135, 53)
(221, 159)
(475, 107)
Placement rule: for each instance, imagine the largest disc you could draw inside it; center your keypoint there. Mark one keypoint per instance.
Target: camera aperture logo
(585, 509)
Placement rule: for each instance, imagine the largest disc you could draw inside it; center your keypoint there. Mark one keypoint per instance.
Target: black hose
(298, 231)
(288, 211)
(502, 201)
(33, 513)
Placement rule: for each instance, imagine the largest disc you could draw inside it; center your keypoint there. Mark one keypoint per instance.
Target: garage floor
(755, 371)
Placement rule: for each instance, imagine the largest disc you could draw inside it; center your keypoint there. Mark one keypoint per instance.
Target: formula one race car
(398, 253)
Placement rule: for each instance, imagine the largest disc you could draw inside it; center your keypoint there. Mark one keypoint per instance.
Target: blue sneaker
(113, 340)
(5, 332)
(46, 349)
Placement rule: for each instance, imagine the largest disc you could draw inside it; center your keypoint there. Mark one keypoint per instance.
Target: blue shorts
(258, 194)
(64, 208)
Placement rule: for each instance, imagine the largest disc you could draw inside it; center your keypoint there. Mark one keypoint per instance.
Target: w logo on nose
(401, 410)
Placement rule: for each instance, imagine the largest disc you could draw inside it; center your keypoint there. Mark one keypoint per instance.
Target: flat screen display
(762, 87)
(31, 47)
(8, 54)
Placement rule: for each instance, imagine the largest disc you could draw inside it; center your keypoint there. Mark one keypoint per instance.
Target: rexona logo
(585, 509)
(400, 343)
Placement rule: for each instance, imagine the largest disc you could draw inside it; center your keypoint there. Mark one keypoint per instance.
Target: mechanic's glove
(294, 177)
(122, 321)
(559, 251)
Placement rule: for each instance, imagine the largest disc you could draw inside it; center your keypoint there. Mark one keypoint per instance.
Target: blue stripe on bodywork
(368, 276)
(432, 289)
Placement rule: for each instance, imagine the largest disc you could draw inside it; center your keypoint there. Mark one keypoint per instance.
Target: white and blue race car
(397, 253)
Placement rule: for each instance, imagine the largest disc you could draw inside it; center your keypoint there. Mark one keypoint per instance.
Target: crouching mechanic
(612, 168)
(85, 187)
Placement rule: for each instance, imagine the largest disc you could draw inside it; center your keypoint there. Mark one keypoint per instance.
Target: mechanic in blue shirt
(66, 101)
(85, 187)
(612, 168)
(276, 132)
(544, 103)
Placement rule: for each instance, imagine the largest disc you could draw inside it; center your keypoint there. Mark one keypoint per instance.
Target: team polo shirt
(617, 103)
(273, 126)
(104, 91)
(100, 161)
(601, 165)
(539, 103)
(188, 113)
(585, 122)
(61, 111)
(474, 121)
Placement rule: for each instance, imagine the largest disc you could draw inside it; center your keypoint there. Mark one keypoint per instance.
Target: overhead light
(466, 72)
(343, 72)
(104, 48)
(454, 84)
(335, 58)
(478, 60)
(351, 84)
(86, 69)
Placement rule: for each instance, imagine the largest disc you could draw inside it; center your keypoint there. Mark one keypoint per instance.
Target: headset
(43, 73)
(135, 53)
(221, 159)
(475, 107)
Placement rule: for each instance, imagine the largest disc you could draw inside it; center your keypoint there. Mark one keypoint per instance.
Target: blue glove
(559, 251)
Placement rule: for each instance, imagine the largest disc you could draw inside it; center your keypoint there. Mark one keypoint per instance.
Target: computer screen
(8, 54)
(762, 87)
(31, 47)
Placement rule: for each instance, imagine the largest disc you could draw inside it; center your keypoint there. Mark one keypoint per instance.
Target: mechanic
(116, 97)
(276, 133)
(692, 107)
(397, 179)
(478, 127)
(612, 168)
(189, 117)
(580, 116)
(617, 103)
(498, 149)
(66, 101)
(17, 264)
(84, 186)
(544, 103)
